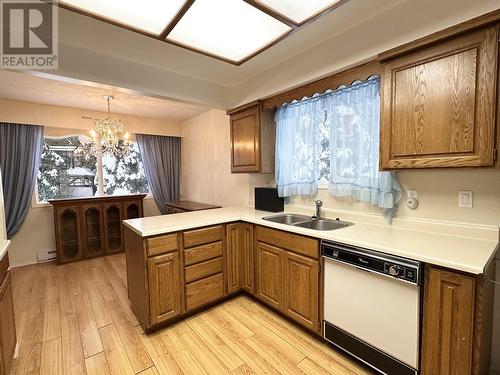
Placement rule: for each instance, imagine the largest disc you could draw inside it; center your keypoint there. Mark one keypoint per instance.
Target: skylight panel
(151, 16)
(231, 29)
(298, 11)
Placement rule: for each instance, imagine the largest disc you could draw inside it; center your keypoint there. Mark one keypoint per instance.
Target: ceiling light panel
(151, 16)
(298, 11)
(231, 29)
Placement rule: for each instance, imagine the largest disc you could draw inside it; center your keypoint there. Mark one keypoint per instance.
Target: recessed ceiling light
(298, 11)
(151, 16)
(231, 29)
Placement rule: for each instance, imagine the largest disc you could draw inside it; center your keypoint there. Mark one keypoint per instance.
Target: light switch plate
(465, 198)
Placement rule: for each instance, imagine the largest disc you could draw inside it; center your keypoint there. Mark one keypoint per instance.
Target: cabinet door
(248, 258)
(447, 323)
(233, 257)
(270, 275)
(164, 287)
(245, 140)
(112, 227)
(7, 326)
(438, 104)
(132, 209)
(301, 290)
(68, 232)
(93, 230)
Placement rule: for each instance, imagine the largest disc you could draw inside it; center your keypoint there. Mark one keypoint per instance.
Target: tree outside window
(66, 172)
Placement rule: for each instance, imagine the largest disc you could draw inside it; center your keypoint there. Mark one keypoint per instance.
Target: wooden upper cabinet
(252, 139)
(438, 104)
(164, 287)
(448, 323)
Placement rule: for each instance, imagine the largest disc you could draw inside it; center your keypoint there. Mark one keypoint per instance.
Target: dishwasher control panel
(399, 268)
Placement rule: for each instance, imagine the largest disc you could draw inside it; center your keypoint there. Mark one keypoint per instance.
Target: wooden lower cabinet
(91, 227)
(7, 326)
(301, 290)
(164, 287)
(247, 254)
(269, 282)
(448, 320)
(286, 280)
(234, 259)
(171, 275)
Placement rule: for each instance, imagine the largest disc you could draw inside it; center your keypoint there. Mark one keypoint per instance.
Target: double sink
(304, 221)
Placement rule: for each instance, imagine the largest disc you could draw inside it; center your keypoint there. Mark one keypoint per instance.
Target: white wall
(206, 164)
(437, 194)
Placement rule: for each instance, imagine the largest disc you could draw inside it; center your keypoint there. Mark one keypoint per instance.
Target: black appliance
(267, 199)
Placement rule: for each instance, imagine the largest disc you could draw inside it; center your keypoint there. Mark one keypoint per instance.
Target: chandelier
(107, 135)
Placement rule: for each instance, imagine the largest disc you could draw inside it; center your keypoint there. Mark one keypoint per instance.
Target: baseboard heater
(46, 256)
(374, 358)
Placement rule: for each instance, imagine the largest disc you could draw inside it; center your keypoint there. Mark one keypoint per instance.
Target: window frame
(35, 200)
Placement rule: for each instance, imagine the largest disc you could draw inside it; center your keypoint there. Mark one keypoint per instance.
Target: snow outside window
(65, 171)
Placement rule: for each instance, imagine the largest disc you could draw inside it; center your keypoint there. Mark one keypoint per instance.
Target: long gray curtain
(162, 163)
(20, 150)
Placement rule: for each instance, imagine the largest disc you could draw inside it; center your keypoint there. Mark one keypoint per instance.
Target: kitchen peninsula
(180, 264)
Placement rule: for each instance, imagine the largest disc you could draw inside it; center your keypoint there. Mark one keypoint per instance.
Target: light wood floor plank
(97, 365)
(115, 352)
(91, 341)
(98, 303)
(52, 316)
(73, 359)
(150, 371)
(137, 355)
(51, 363)
(163, 360)
(225, 354)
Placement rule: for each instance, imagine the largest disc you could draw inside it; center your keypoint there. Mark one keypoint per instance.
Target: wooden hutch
(91, 227)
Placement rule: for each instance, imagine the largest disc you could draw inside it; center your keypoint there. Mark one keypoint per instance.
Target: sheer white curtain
(354, 114)
(298, 148)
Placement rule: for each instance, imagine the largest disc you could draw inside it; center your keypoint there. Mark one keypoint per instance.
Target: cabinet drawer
(296, 243)
(162, 244)
(202, 236)
(204, 291)
(201, 270)
(202, 253)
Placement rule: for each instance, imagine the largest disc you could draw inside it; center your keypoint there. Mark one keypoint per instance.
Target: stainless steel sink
(304, 221)
(322, 224)
(289, 219)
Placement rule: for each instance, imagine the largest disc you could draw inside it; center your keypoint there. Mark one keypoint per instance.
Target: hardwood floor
(75, 319)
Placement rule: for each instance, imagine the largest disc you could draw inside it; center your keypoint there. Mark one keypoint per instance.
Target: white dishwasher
(372, 307)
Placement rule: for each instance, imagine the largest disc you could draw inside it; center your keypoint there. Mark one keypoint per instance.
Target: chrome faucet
(318, 209)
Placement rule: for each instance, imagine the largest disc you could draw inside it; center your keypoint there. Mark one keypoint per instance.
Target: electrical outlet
(412, 194)
(465, 198)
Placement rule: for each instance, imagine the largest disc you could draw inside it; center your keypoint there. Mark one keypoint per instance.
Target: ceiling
(34, 89)
(91, 50)
(222, 29)
(91, 34)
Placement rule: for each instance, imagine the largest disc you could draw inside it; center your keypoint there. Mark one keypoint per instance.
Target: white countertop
(451, 251)
(4, 246)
